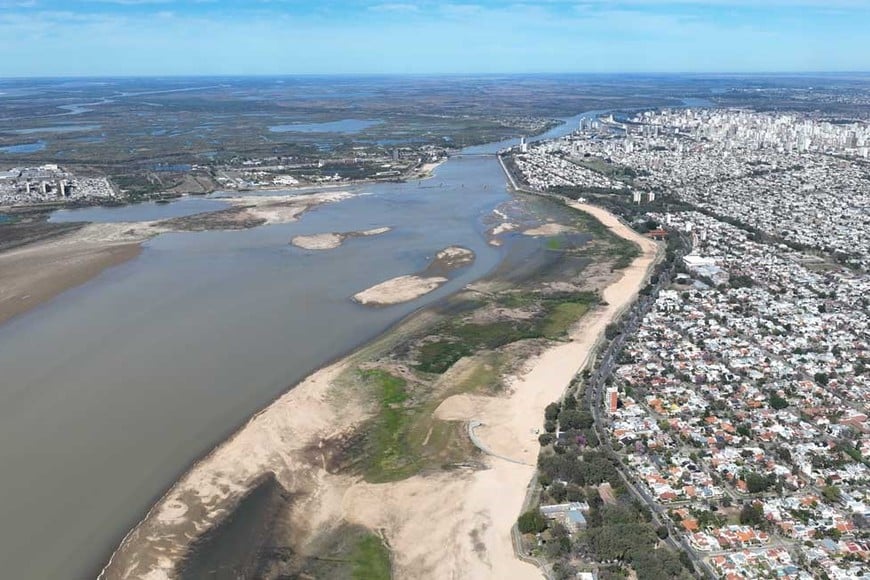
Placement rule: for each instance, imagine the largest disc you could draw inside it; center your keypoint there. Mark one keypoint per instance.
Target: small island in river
(410, 287)
(332, 240)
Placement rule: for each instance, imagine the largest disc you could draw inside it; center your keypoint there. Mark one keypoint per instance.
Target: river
(109, 392)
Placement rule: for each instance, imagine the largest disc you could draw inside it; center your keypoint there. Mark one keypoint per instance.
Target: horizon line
(436, 74)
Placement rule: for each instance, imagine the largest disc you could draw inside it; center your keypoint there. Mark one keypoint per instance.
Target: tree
(575, 493)
(662, 532)
(777, 402)
(686, 561)
(574, 419)
(532, 522)
(551, 412)
(558, 492)
(546, 438)
(821, 378)
(757, 483)
(752, 514)
(831, 493)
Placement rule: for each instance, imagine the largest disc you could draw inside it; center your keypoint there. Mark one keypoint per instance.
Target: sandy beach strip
(509, 428)
(427, 169)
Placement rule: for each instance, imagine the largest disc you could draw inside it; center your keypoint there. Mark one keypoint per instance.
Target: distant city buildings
(800, 179)
(50, 183)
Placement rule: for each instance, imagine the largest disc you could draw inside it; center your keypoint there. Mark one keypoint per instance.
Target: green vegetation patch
(437, 357)
(349, 552)
(562, 317)
(606, 168)
(404, 437)
(371, 559)
(556, 314)
(387, 447)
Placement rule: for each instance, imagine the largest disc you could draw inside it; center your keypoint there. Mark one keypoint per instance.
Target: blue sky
(216, 37)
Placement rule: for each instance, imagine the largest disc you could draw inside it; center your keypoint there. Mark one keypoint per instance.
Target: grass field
(370, 559)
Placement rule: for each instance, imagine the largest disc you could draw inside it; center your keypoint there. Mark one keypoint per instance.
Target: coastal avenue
(116, 387)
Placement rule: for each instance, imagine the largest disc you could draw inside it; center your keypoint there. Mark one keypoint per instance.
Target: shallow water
(24, 147)
(146, 211)
(342, 126)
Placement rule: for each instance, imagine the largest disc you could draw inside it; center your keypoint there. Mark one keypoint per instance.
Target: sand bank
(398, 290)
(38, 272)
(280, 209)
(410, 287)
(502, 228)
(547, 230)
(332, 240)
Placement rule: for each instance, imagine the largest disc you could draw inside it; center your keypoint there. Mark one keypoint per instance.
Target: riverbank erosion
(373, 452)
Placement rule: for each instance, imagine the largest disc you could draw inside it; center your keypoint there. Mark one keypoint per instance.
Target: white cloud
(395, 7)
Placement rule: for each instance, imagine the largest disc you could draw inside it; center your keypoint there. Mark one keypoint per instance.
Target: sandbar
(398, 290)
(547, 230)
(332, 240)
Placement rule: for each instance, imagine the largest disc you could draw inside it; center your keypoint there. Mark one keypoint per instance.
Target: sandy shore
(38, 272)
(282, 439)
(452, 524)
(332, 240)
(428, 168)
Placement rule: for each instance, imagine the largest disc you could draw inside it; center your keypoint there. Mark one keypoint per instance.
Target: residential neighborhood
(738, 405)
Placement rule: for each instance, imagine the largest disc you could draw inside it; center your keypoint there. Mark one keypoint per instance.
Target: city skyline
(274, 37)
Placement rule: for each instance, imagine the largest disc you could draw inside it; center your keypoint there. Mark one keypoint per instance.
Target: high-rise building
(612, 400)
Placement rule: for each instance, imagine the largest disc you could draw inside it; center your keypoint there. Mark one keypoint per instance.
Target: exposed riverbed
(112, 390)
